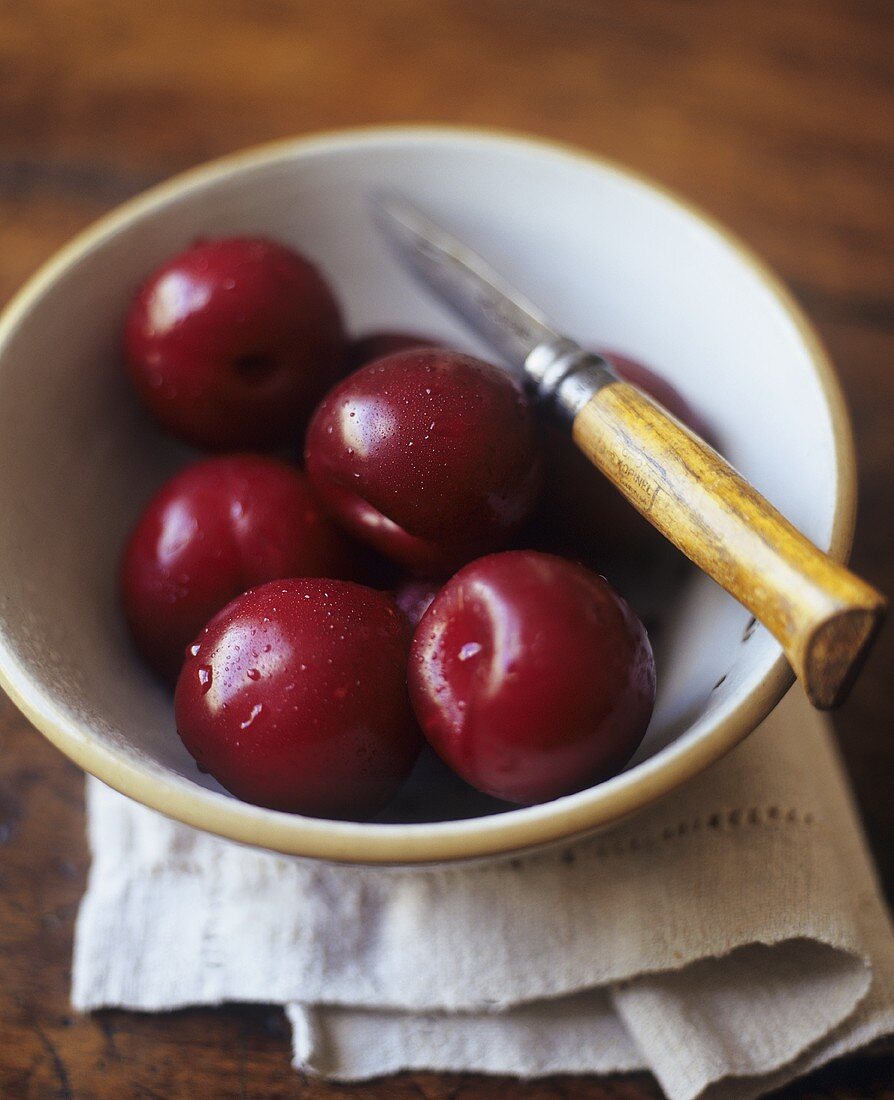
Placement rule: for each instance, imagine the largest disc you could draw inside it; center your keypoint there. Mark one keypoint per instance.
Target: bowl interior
(614, 262)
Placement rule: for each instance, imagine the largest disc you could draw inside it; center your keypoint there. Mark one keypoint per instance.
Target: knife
(824, 617)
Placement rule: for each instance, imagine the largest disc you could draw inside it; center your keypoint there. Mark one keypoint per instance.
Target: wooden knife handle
(824, 617)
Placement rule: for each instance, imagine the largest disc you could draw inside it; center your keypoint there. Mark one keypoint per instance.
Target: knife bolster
(564, 377)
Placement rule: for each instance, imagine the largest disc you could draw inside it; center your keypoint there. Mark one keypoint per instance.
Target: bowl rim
(471, 838)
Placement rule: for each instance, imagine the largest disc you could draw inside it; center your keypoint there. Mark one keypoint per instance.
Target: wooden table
(775, 115)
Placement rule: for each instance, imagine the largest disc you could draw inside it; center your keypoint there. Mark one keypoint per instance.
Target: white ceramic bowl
(614, 260)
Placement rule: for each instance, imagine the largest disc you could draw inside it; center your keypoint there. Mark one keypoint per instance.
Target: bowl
(614, 260)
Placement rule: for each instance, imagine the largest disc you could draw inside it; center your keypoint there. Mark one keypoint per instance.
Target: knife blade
(479, 296)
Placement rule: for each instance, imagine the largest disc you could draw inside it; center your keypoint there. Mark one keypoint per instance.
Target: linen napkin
(728, 939)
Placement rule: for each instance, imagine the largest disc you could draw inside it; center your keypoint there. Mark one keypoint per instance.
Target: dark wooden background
(775, 115)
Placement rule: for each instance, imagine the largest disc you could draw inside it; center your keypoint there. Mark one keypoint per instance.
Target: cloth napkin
(728, 939)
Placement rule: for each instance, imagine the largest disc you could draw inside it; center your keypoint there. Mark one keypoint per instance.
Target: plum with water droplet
(531, 677)
(216, 528)
(304, 707)
(429, 456)
(231, 343)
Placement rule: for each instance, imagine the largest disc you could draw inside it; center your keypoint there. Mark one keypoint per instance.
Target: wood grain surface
(775, 115)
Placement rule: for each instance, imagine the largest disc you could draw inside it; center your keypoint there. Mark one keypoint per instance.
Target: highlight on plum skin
(231, 343)
(531, 677)
(428, 455)
(216, 528)
(294, 698)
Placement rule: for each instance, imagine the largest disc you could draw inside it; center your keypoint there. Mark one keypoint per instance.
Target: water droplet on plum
(205, 678)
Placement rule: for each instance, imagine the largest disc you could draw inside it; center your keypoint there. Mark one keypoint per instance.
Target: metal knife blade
(511, 324)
